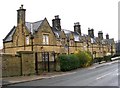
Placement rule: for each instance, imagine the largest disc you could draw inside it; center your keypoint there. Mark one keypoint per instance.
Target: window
(45, 39)
(63, 41)
(27, 40)
(71, 42)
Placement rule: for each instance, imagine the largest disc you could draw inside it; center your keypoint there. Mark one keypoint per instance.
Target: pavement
(22, 79)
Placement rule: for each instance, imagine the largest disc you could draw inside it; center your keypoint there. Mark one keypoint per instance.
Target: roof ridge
(34, 22)
(67, 30)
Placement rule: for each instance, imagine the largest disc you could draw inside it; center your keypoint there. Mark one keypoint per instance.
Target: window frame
(45, 39)
(27, 40)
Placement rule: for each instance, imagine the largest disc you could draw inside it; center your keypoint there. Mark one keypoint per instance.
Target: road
(106, 75)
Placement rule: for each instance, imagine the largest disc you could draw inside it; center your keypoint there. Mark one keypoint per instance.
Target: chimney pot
(57, 17)
(22, 6)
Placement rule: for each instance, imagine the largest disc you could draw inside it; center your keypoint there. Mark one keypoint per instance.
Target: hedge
(74, 61)
(85, 58)
(98, 59)
(68, 62)
(105, 58)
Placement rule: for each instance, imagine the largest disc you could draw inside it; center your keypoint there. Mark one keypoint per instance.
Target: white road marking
(100, 77)
(103, 76)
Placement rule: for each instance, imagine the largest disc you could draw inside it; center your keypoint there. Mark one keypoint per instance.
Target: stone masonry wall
(22, 63)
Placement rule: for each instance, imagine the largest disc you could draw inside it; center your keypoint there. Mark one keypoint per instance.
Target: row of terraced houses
(40, 36)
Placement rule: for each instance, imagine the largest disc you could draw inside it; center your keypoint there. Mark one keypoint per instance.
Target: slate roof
(76, 37)
(94, 40)
(67, 33)
(31, 26)
(9, 35)
(56, 32)
(108, 41)
(34, 26)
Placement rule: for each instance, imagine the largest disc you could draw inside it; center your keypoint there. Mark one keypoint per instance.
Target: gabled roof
(8, 38)
(76, 37)
(67, 33)
(56, 32)
(31, 27)
(108, 41)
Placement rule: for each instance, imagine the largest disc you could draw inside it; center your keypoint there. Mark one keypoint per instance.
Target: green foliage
(116, 55)
(74, 61)
(85, 58)
(107, 58)
(98, 59)
(68, 62)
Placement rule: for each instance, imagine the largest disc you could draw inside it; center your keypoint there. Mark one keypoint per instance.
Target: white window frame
(27, 40)
(45, 39)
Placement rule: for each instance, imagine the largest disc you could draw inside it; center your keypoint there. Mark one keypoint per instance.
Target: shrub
(74, 61)
(68, 62)
(116, 55)
(107, 58)
(85, 58)
(99, 59)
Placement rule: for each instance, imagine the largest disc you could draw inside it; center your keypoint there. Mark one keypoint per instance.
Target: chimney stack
(56, 23)
(100, 35)
(91, 32)
(21, 15)
(107, 36)
(77, 27)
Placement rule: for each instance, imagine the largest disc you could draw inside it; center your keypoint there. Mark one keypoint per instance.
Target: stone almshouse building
(41, 37)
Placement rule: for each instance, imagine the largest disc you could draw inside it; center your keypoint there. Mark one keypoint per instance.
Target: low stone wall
(22, 63)
(11, 65)
(27, 63)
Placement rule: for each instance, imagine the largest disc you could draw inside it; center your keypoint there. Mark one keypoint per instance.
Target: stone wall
(22, 63)
(27, 63)
(11, 65)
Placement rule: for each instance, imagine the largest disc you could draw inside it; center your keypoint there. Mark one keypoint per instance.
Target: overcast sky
(96, 14)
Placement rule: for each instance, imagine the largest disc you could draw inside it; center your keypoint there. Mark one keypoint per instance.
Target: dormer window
(45, 39)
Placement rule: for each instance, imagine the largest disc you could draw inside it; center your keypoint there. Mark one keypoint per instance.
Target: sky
(101, 15)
